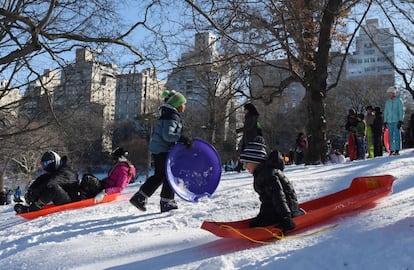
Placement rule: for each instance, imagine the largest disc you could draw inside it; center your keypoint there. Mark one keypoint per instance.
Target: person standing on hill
(369, 120)
(360, 132)
(17, 195)
(350, 126)
(377, 132)
(167, 133)
(251, 127)
(411, 128)
(393, 119)
(301, 144)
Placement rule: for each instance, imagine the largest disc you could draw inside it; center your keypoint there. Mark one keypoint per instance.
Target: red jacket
(119, 177)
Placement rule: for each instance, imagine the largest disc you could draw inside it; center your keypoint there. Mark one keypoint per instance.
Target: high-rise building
(95, 91)
(87, 82)
(137, 93)
(196, 73)
(40, 92)
(368, 60)
(9, 101)
(206, 83)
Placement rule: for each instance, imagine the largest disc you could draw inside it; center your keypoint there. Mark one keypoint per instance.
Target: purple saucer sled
(195, 172)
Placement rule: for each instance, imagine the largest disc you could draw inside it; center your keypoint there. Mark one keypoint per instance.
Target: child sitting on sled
(59, 184)
(278, 198)
(119, 176)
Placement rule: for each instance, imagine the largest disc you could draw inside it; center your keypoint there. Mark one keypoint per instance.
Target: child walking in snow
(167, 132)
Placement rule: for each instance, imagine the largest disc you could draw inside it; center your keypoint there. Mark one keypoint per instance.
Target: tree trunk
(315, 127)
(315, 84)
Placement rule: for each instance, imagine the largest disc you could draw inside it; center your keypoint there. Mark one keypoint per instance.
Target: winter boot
(20, 208)
(139, 200)
(287, 224)
(167, 205)
(36, 206)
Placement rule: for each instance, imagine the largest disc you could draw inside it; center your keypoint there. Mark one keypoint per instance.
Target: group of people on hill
(279, 205)
(59, 183)
(371, 133)
(6, 195)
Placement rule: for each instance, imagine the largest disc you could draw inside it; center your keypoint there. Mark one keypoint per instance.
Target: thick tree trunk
(315, 127)
(315, 83)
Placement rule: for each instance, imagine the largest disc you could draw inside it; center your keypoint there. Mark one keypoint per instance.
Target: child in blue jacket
(393, 119)
(167, 132)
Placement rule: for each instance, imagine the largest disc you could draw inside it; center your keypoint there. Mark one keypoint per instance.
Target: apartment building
(40, 92)
(203, 79)
(137, 93)
(87, 84)
(8, 102)
(368, 60)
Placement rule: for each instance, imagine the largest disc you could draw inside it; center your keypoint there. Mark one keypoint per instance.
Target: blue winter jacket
(394, 110)
(167, 131)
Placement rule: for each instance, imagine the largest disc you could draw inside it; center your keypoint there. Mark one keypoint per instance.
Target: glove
(399, 125)
(98, 198)
(188, 142)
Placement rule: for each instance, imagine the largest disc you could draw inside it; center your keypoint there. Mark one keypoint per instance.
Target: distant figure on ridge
(393, 119)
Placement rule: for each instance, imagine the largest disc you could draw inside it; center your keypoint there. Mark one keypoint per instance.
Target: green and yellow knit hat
(174, 98)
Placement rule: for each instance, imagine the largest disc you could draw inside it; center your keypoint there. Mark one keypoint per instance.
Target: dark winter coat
(378, 124)
(250, 129)
(60, 187)
(412, 127)
(276, 193)
(351, 123)
(167, 131)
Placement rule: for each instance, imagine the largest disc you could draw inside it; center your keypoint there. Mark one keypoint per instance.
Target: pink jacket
(119, 177)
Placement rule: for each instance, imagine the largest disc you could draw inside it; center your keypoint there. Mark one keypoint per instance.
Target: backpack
(90, 186)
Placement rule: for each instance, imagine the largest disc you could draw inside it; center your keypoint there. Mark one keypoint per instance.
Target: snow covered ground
(117, 236)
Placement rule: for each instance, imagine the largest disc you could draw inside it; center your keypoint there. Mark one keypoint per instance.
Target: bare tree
(399, 16)
(38, 34)
(302, 32)
(34, 32)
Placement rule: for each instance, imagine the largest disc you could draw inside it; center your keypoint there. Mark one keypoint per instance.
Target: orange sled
(51, 208)
(361, 192)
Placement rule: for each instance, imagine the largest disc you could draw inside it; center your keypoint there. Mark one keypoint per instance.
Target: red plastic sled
(352, 147)
(361, 192)
(386, 140)
(51, 208)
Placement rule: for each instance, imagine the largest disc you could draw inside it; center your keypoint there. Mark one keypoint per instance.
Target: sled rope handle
(277, 233)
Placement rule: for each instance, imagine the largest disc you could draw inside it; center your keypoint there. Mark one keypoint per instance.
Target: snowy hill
(117, 236)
